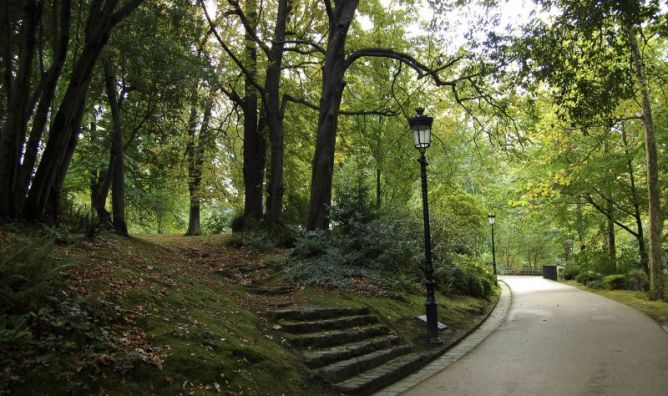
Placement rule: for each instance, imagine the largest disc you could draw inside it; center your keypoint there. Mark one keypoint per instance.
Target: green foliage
(464, 275)
(587, 277)
(256, 241)
(217, 221)
(363, 243)
(386, 248)
(570, 273)
(615, 282)
(596, 284)
(78, 219)
(637, 279)
(27, 277)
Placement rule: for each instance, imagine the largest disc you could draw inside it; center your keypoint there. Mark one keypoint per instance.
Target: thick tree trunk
(14, 131)
(275, 187)
(254, 143)
(99, 190)
(62, 135)
(195, 153)
(100, 182)
(118, 163)
(330, 102)
(44, 95)
(653, 190)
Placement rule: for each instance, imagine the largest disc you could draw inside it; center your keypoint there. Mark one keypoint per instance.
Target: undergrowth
(378, 253)
(47, 327)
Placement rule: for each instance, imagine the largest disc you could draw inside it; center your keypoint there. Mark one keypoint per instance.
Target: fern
(27, 276)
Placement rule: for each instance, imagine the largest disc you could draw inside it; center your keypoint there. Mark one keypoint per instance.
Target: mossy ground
(187, 312)
(657, 310)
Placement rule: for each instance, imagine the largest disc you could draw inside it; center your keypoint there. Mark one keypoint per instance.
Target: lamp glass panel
(421, 136)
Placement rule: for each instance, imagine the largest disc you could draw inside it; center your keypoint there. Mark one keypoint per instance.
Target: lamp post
(492, 219)
(421, 127)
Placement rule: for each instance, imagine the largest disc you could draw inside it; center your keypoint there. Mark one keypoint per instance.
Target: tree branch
(589, 199)
(229, 52)
(380, 111)
(249, 28)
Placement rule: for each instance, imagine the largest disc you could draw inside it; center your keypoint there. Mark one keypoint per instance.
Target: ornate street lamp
(421, 127)
(492, 219)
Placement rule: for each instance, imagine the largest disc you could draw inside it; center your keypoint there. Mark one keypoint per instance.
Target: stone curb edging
(458, 349)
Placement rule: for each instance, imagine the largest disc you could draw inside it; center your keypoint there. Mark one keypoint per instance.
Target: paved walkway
(495, 319)
(559, 340)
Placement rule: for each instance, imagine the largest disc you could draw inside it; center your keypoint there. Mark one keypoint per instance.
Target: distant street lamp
(492, 219)
(421, 127)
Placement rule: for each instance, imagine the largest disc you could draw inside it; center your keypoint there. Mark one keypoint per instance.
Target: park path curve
(559, 340)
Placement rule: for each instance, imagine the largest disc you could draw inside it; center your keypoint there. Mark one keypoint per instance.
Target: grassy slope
(200, 329)
(657, 310)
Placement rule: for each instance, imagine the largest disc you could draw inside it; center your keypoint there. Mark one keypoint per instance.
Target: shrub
(587, 277)
(218, 222)
(614, 282)
(595, 284)
(78, 219)
(636, 279)
(464, 275)
(570, 273)
(256, 241)
(310, 244)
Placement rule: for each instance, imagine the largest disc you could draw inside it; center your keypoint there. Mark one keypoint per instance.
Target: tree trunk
(610, 238)
(100, 183)
(653, 188)
(18, 113)
(254, 143)
(44, 95)
(637, 215)
(579, 226)
(378, 189)
(195, 153)
(62, 135)
(330, 101)
(117, 162)
(275, 188)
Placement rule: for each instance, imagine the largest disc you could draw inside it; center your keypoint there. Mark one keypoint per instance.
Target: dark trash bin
(550, 272)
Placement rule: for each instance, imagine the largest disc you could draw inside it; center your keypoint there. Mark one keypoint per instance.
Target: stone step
(270, 291)
(336, 337)
(339, 371)
(378, 377)
(323, 357)
(328, 324)
(314, 313)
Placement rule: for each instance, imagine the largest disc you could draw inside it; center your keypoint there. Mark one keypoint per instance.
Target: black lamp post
(492, 220)
(421, 127)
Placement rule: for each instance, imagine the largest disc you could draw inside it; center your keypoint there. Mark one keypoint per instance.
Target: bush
(595, 284)
(218, 222)
(381, 251)
(464, 275)
(78, 219)
(570, 273)
(256, 241)
(586, 277)
(310, 244)
(636, 279)
(614, 282)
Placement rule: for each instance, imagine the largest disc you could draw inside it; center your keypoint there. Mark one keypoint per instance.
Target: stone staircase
(347, 347)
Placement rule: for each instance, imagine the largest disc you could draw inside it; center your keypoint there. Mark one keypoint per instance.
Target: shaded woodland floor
(168, 314)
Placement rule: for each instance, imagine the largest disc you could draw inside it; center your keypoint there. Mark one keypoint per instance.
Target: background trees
(155, 115)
